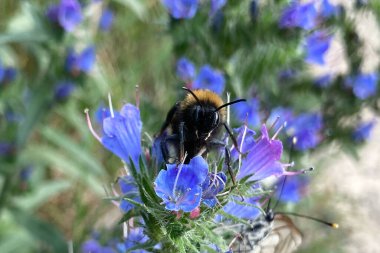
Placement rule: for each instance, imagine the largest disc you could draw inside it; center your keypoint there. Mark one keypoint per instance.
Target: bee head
(205, 118)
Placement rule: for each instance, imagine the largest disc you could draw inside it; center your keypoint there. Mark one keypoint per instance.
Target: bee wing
(284, 237)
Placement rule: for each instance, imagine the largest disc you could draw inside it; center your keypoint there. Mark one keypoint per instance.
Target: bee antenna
(230, 103)
(193, 94)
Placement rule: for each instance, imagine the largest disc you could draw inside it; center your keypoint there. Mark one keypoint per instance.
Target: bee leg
(169, 117)
(165, 149)
(227, 161)
(229, 131)
(181, 141)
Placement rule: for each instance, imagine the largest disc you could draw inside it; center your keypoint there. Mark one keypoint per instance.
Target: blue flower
(294, 189)
(185, 69)
(128, 189)
(316, 46)
(283, 115)
(26, 173)
(7, 74)
(327, 9)
(122, 134)
(82, 62)
(92, 246)
(243, 134)
(181, 9)
(306, 128)
(363, 85)
(216, 5)
(323, 81)
(106, 20)
(135, 237)
(263, 159)
(253, 10)
(299, 15)
(363, 131)
(180, 186)
(63, 90)
(101, 113)
(210, 79)
(67, 14)
(213, 185)
(6, 148)
(248, 112)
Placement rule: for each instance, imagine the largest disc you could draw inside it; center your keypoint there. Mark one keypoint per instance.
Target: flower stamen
(89, 124)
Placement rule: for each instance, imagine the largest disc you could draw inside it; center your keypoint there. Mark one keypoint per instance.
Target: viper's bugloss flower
(245, 140)
(122, 133)
(363, 131)
(93, 246)
(180, 185)
(68, 14)
(248, 210)
(80, 62)
(263, 160)
(302, 15)
(294, 189)
(6, 148)
(216, 5)
(135, 236)
(316, 46)
(128, 189)
(185, 69)
(26, 173)
(327, 9)
(63, 90)
(213, 185)
(209, 78)
(7, 74)
(323, 81)
(306, 128)
(363, 85)
(106, 20)
(248, 112)
(101, 113)
(281, 115)
(181, 9)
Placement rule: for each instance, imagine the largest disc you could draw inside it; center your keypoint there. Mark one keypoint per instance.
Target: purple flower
(316, 46)
(306, 128)
(243, 134)
(82, 62)
(294, 189)
(363, 85)
(63, 90)
(92, 246)
(248, 112)
(128, 189)
(327, 9)
(67, 14)
(211, 79)
(213, 184)
(302, 15)
(216, 5)
(185, 69)
(122, 133)
(135, 236)
(180, 185)
(181, 9)
(363, 131)
(263, 160)
(106, 20)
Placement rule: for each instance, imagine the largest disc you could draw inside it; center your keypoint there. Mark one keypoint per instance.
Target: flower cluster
(186, 9)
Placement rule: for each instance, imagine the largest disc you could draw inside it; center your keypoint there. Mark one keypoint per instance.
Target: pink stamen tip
(89, 124)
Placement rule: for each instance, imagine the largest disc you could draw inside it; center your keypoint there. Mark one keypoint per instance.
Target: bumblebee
(193, 126)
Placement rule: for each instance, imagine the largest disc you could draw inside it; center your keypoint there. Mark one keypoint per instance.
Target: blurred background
(314, 64)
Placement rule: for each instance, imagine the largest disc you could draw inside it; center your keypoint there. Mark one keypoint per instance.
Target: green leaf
(137, 7)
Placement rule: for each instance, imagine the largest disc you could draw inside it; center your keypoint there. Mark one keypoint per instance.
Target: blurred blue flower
(246, 134)
(67, 14)
(81, 62)
(362, 131)
(248, 112)
(63, 90)
(6, 148)
(216, 5)
(1, 71)
(213, 185)
(281, 114)
(7, 74)
(122, 134)
(135, 237)
(306, 128)
(211, 79)
(323, 81)
(181, 9)
(128, 189)
(302, 15)
(156, 149)
(328, 10)
(253, 10)
(106, 20)
(294, 189)
(263, 159)
(101, 113)
(93, 246)
(316, 46)
(180, 185)
(363, 85)
(26, 173)
(185, 69)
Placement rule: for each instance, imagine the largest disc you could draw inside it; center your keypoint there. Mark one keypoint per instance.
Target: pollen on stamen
(89, 124)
